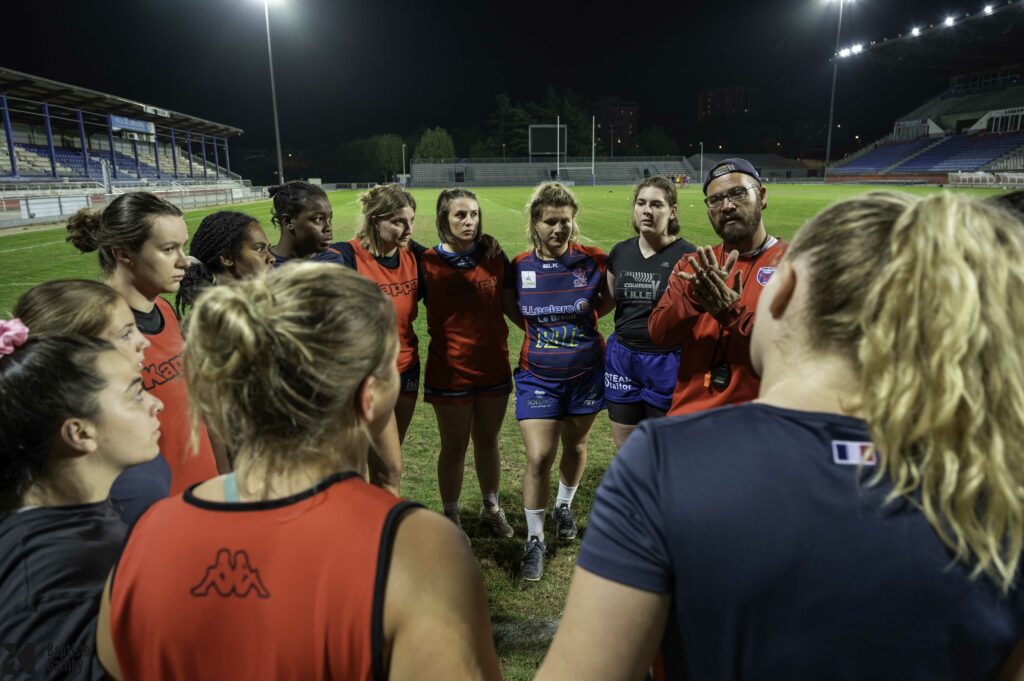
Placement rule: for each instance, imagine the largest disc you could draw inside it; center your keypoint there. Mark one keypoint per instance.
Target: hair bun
(83, 228)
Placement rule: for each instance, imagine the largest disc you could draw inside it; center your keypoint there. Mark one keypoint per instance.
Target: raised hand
(709, 280)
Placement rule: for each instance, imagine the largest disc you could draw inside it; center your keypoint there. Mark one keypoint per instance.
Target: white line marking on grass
(25, 248)
(20, 283)
(587, 239)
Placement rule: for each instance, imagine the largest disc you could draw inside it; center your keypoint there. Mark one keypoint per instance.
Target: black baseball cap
(731, 165)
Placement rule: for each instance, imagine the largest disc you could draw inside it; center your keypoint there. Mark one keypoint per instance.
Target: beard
(742, 227)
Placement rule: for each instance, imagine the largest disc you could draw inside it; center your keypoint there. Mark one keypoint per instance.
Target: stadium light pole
(403, 159)
(832, 103)
(273, 94)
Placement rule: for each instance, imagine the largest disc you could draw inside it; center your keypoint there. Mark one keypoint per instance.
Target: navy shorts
(631, 376)
(409, 380)
(538, 398)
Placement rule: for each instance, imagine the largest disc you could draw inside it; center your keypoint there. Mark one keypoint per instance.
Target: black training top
(639, 285)
(780, 563)
(53, 564)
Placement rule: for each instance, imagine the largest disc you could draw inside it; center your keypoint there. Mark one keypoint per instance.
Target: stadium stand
(977, 124)
(519, 173)
(885, 156)
(1012, 161)
(962, 152)
(47, 115)
(769, 166)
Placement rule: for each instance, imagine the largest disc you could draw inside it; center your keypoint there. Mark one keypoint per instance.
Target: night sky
(352, 68)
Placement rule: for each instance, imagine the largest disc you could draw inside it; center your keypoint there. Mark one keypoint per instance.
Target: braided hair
(291, 198)
(219, 234)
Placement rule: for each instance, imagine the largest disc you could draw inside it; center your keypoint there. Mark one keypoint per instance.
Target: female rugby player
(560, 380)
(141, 242)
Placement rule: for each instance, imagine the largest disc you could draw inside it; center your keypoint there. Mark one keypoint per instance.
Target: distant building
(727, 103)
(617, 124)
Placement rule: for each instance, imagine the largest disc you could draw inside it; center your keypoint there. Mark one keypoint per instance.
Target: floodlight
(915, 31)
(858, 48)
(950, 21)
(844, 53)
(988, 9)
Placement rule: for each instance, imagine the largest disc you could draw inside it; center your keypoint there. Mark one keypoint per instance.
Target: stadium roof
(33, 88)
(949, 105)
(978, 41)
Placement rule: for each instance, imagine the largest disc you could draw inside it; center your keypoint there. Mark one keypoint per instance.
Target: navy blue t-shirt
(781, 560)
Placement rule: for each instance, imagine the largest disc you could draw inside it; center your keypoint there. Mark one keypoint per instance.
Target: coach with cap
(708, 308)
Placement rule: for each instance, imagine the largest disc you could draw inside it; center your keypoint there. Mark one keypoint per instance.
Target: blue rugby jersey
(558, 300)
(782, 562)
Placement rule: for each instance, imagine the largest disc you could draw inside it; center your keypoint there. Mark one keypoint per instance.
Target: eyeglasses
(735, 195)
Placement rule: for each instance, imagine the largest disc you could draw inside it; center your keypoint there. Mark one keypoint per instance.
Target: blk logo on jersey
(231, 574)
(852, 453)
(764, 274)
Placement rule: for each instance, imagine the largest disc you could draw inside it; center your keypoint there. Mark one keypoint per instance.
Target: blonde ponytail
(943, 375)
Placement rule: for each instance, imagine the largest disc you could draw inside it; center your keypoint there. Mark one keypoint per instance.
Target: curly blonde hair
(551, 195)
(274, 363)
(928, 295)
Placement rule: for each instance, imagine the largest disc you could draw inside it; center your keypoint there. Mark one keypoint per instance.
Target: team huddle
(818, 471)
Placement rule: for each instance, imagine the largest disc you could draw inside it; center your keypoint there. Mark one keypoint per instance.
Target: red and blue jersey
(558, 301)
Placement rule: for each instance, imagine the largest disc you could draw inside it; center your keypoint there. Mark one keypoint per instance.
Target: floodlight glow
(988, 9)
(858, 48)
(915, 31)
(844, 53)
(949, 21)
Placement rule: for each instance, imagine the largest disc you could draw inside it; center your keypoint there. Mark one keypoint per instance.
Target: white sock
(565, 494)
(535, 523)
(491, 501)
(451, 511)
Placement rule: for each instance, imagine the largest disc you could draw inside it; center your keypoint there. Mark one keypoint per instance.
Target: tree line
(504, 134)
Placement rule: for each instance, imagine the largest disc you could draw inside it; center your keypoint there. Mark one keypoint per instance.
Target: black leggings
(632, 413)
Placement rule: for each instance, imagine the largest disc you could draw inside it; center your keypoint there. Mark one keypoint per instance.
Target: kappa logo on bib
(529, 279)
(852, 453)
(764, 274)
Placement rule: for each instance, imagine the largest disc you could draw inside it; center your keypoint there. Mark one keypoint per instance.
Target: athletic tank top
(291, 588)
(468, 335)
(401, 285)
(163, 377)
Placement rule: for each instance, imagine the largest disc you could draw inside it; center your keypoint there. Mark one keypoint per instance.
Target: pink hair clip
(13, 334)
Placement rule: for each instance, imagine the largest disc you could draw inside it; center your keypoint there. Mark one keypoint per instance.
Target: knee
(453, 452)
(539, 464)
(485, 443)
(578, 450)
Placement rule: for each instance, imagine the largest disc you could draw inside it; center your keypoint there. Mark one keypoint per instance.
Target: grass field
(524, 615)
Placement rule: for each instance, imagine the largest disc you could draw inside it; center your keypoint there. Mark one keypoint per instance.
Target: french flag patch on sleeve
(851, 453)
